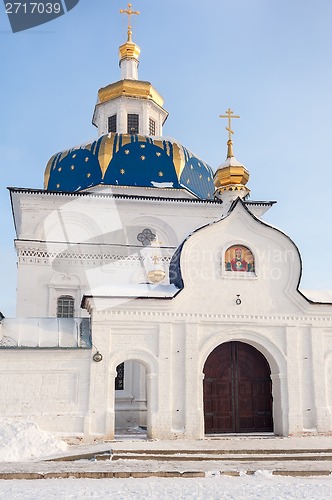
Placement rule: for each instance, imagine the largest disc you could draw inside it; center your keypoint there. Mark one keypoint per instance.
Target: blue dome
(129, 160)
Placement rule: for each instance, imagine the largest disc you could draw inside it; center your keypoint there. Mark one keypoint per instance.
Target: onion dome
(129, 161)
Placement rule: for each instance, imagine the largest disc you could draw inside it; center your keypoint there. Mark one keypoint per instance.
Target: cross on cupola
(229, 115)
(231, 177)
(129, 52)
(129, 13)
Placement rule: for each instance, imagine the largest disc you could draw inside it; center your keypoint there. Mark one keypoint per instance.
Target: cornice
(275, 320)
(134, 197)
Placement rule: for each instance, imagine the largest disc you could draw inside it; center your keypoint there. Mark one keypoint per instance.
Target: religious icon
(239, 259)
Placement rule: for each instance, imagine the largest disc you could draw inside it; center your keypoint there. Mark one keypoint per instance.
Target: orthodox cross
(229, 115)
(129, 13)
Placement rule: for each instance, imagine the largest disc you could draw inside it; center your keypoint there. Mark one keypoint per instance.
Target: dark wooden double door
(237, 390)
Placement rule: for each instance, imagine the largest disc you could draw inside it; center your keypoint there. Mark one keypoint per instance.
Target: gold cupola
(231, 177)
(129, 50)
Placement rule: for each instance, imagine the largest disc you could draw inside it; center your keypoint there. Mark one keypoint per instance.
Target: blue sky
(269, 60)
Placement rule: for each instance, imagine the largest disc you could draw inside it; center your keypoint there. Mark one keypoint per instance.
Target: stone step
(202, 451)
(146, 474)
(229, 457)
(199, 454)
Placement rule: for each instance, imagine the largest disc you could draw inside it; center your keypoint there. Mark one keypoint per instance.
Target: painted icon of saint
(238, 263)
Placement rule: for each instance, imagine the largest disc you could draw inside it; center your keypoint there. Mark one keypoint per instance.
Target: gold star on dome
(160, 174)
(122, 171)
(200, 176)
(142, 146)
(59, 169)
(74, 156)
(158, 153)
(88, 174)
(72, 167)
(188, 181)
(58, 185)
(86, 159)
(209, 196)
(209, 179)
(199, 164)
(142, 157)
(127, 151)
(191, 167)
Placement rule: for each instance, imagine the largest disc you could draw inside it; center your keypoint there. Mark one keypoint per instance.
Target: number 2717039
(32, 8)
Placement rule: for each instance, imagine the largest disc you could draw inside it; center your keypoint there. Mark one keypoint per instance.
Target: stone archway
(237, 390)
(130, 406)
(145, 395)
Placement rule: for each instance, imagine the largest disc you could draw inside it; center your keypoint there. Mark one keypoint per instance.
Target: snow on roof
(133, 291)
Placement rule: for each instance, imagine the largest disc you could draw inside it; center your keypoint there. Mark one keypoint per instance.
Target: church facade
(152, 294)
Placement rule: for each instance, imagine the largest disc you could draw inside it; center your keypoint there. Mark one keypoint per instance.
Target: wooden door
(237, 390)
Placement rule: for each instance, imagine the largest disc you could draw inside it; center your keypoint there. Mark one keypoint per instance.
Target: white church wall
(271, 315)
(180, 348)
(60, 230)
(166, 343)
(50, 387)
(271, 289)
(327, 374)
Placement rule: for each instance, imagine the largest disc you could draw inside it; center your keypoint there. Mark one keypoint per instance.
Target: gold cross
(155, 259)
(229, 115)
(129, 13)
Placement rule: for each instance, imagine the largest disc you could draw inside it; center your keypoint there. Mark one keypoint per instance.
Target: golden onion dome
(129, 50)
(231, 174)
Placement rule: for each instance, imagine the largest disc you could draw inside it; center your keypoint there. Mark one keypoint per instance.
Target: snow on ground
(260, 486)
(25, 444)
(21, 440)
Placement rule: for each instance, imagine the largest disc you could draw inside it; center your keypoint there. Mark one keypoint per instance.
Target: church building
(152, 295)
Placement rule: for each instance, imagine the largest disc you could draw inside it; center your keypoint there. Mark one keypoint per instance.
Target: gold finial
(129, 13)
(229, 115)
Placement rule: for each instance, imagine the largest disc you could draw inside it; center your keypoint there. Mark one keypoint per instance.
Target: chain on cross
(129, 13)
(229, 115)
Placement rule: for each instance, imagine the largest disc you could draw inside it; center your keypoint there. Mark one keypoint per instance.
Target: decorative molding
(285, 320)
(29, 256)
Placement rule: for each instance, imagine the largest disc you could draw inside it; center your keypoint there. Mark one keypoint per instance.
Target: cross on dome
(129, 13)
(229, 115)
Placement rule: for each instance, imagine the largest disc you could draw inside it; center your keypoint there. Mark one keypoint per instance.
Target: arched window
(65, 306)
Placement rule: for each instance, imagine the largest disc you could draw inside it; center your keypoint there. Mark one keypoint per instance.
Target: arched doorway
(130, 403)
(237, 390)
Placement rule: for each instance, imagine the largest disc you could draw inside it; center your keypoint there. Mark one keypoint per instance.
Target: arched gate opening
(237, 390)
